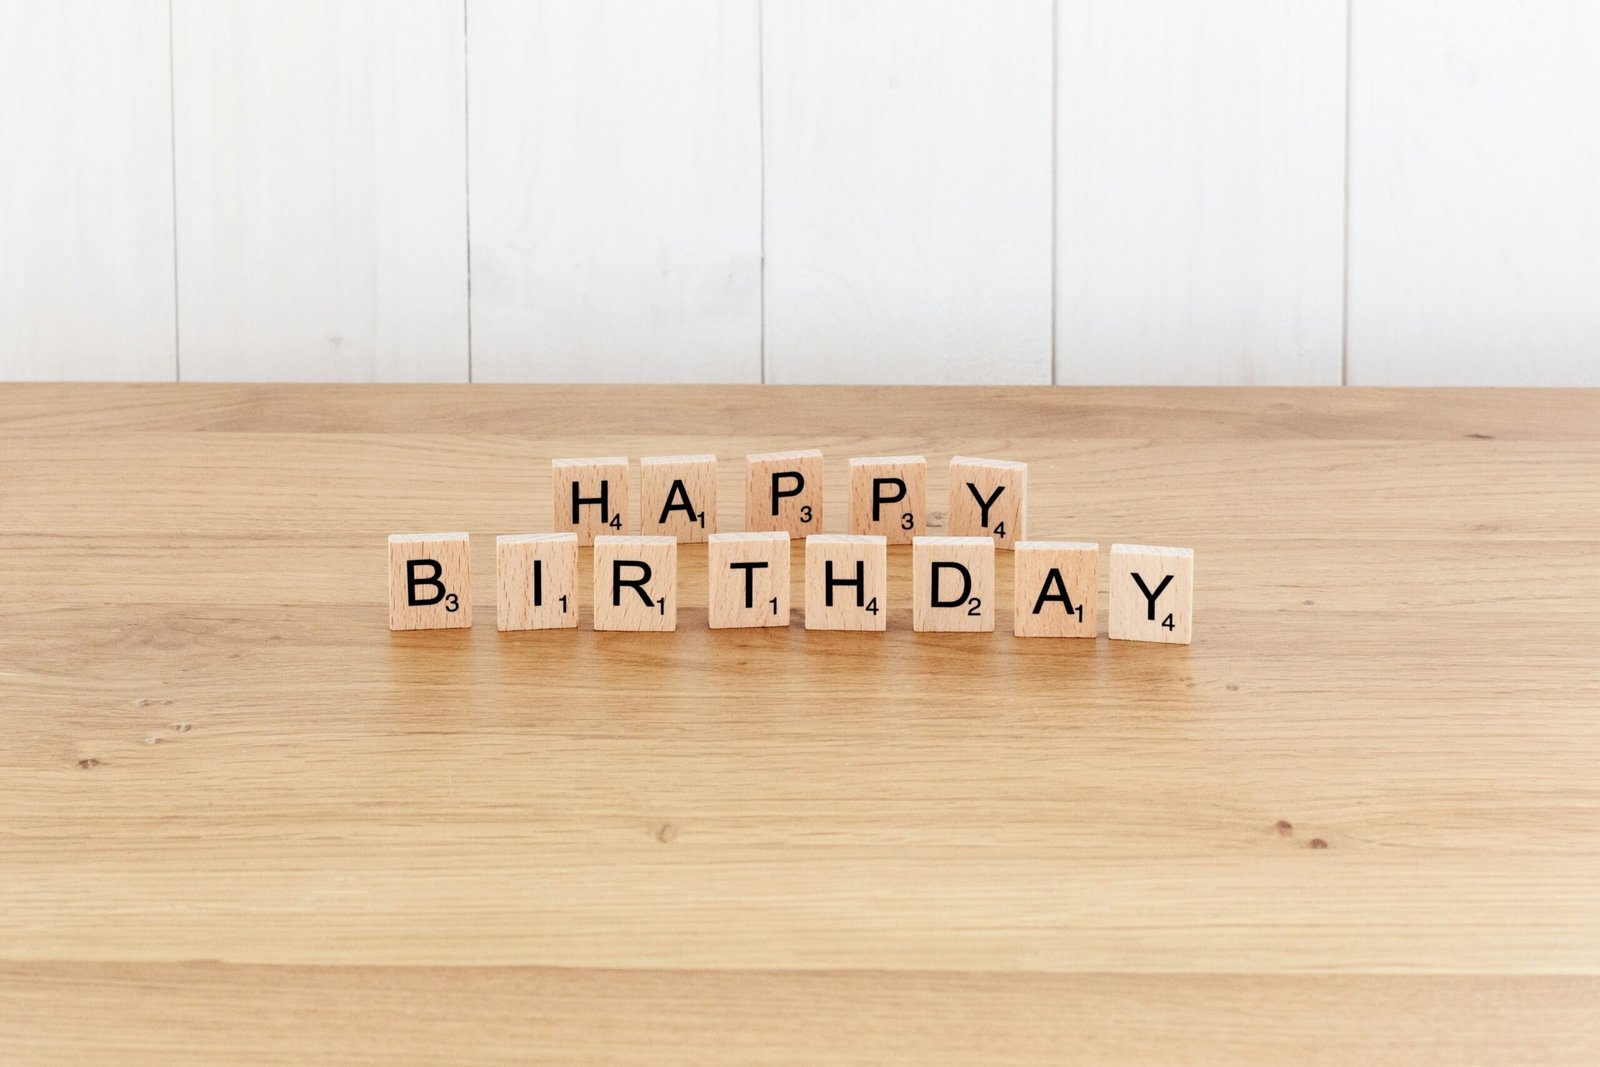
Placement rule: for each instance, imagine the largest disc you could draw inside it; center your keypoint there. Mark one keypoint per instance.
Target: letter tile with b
(430, 581)
(952, 584)
(636, 583)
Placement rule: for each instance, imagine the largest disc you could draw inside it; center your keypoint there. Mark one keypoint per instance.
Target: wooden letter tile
(1152, 593)
(889, 496)
(783, 491)
(590, 496)
(952, 584)
(989, 497)
(430, 581)
(537, 581)
(847, 585)
(678, 496)
(749, 579)
(1057, 588)
(635, 583)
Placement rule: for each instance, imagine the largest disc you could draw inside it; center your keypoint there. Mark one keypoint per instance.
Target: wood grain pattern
(86, 276)
(1355, 821)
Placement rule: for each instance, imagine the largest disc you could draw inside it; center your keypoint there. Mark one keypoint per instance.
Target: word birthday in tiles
(634, 587)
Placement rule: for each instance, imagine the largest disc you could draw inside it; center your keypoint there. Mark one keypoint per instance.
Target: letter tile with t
(952, 584)
(748, 579)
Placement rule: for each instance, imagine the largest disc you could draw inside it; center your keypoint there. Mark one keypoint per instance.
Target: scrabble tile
(589, 496)
(748, 579)
(536, 581)
(1152, 594)
(847, 585)
(678, 496)
(889, 496)
(989, 497)
(635, 583)
(783, 491)
(1056, 589)
(952, 584)
(430, 581)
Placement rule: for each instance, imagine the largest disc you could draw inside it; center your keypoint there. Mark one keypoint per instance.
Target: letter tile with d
(952, 584)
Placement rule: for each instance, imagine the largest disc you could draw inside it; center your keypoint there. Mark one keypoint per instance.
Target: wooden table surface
(1357, 821)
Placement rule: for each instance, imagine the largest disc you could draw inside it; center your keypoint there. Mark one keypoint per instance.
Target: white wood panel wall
(1200, 192)
(321, 189)
(907, 190)
(615, 153)
(85, 190)
(1127, 191)
(1475, 193)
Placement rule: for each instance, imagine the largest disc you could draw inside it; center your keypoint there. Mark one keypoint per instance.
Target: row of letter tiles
(846, 584)
(783, 494)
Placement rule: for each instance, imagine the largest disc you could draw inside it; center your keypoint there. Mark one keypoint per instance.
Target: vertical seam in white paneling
(1344, 293)
(1055, 169)
(172, 147)
(761, 148)
(466, 166)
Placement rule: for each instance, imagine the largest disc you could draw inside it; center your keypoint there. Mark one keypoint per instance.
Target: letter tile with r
(636, 583)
